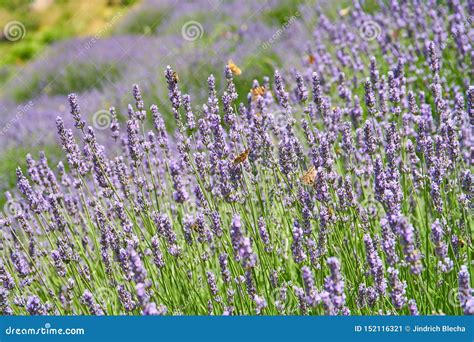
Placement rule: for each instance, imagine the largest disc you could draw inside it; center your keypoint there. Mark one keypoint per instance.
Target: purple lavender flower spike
(297, 246)
(317, 92)
(223, 262)
(260, 303)
(5, 308)
(375, 265)
(312, 296)
(114, 125)
(180, 194)
(151, 309)
(88, 300)
(407, 237)
(334, 284)
(264, 234)
(465, 291)
(242, 245)
(413, 308)
(190, 121)
(434, 59)
(174, 93)
(301, 91)
(34, 306)
(441, 248)
(398, 289)
(76, 111)
(141, 113)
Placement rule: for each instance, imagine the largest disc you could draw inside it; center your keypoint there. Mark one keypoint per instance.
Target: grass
(73, 78)
(144, 21)
(277, 16)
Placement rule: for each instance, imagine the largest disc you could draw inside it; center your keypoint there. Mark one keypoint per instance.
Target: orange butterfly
(309, 177)
(234, 68)
(242, 157)
(257, 91)
(311, 59)
(395, 34)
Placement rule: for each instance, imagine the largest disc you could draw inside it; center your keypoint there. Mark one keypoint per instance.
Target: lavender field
(211, 158)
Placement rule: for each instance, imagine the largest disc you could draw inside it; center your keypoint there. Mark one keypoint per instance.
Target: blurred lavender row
(109, 62)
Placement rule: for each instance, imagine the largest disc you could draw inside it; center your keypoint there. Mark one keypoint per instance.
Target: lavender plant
(343, 189)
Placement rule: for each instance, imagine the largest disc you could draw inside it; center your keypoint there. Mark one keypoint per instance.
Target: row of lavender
(350, 194)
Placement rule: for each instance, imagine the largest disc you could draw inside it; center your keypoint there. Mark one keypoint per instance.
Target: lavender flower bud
(138, 270)
(211, 281)
(407, 236)
(5, 308)
(317, 92)
(398, 289)
(180, 194)
(297, 245)
(412, 307)
(151, 309)
(34, 306)
(216, 223)
(312, 296)
(190, 122)
(159, 124)
(263, 233)
(174, 93)
(369, 138)
(58, 263)
(369, 97)
(226, 276)
(139, 103)
(465, 291)
(76, 111)
(126, 298)
(88, 300)
(260, 303)
(301, 91)
(281, 94)
(434, 59)
(114, 125)
(157, 255)
(334, 284)
(375, 265)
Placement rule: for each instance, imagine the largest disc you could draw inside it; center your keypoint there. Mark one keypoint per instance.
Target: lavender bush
(343, 188)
